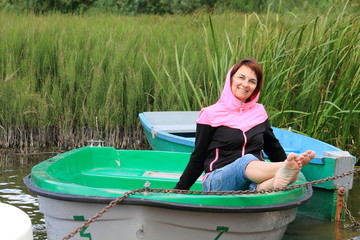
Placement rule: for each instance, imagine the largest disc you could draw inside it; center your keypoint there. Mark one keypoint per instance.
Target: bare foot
(307, 157)
(299, 160)
(289, 171)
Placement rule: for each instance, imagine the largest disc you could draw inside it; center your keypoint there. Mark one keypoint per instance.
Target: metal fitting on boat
(99, 142)
(342, 191)
(140, 233)
(146, 186)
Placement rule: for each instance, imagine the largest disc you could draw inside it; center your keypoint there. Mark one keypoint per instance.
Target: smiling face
(243, 83)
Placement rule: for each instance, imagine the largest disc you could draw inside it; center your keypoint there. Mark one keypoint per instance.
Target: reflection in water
(14, 168)
(305, 228)
(12, 190)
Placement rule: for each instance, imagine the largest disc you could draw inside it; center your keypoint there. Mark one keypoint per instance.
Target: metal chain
(352, 219)
(262, 191)
(104, 210)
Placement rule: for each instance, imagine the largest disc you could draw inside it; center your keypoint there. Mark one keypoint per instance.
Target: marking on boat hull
(82, 232)
(221, 229)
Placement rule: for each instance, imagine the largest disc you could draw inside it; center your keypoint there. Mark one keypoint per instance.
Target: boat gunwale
(165, 135)
(169, 205)
(148, 126)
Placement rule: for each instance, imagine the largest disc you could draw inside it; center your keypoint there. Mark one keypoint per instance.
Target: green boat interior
(105, 172)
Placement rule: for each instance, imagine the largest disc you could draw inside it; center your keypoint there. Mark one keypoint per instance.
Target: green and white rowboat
(74, 186)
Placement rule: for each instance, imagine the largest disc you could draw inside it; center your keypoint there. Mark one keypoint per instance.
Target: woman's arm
(272, 146)
(195, 166)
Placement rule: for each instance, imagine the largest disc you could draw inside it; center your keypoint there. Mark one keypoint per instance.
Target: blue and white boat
(175, 131)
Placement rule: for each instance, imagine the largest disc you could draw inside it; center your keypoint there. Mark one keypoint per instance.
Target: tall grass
(65, 79)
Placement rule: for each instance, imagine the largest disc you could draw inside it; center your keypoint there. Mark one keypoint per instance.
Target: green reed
(85, 76)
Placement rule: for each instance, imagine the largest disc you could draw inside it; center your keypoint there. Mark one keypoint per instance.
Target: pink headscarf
(231, 112)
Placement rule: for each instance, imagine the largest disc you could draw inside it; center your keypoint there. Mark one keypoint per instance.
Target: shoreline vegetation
(66, 79)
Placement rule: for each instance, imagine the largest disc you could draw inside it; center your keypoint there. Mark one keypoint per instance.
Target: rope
(240, 192)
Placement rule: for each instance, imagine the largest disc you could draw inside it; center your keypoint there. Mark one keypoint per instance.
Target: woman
(230, 138)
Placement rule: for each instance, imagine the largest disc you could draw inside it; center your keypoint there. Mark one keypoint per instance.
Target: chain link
(104, 210)
(240, 192)
(352, 219)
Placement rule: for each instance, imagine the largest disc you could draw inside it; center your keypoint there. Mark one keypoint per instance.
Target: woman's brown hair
(253, 65)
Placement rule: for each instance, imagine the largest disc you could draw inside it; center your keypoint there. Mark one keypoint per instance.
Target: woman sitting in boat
(230, 138)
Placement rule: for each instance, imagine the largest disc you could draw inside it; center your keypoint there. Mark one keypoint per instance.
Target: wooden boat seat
(111, 172)
(122, 178)
(174, 128)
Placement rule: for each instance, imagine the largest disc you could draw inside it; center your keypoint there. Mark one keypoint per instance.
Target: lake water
(14, 167)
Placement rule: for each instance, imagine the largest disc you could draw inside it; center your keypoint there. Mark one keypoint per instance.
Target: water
(12, 191)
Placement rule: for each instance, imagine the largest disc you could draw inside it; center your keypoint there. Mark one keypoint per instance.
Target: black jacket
(216, 147)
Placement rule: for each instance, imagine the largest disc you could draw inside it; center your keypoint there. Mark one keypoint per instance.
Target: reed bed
(66, 79)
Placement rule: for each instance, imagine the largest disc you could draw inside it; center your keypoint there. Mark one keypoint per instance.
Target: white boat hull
(152, 223)
(15, 224)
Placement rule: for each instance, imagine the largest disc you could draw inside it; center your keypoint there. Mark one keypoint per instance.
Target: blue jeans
(232, 177)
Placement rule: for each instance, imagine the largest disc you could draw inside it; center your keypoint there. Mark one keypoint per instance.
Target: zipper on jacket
(261, 156)
(243, 147)
(216, 158)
